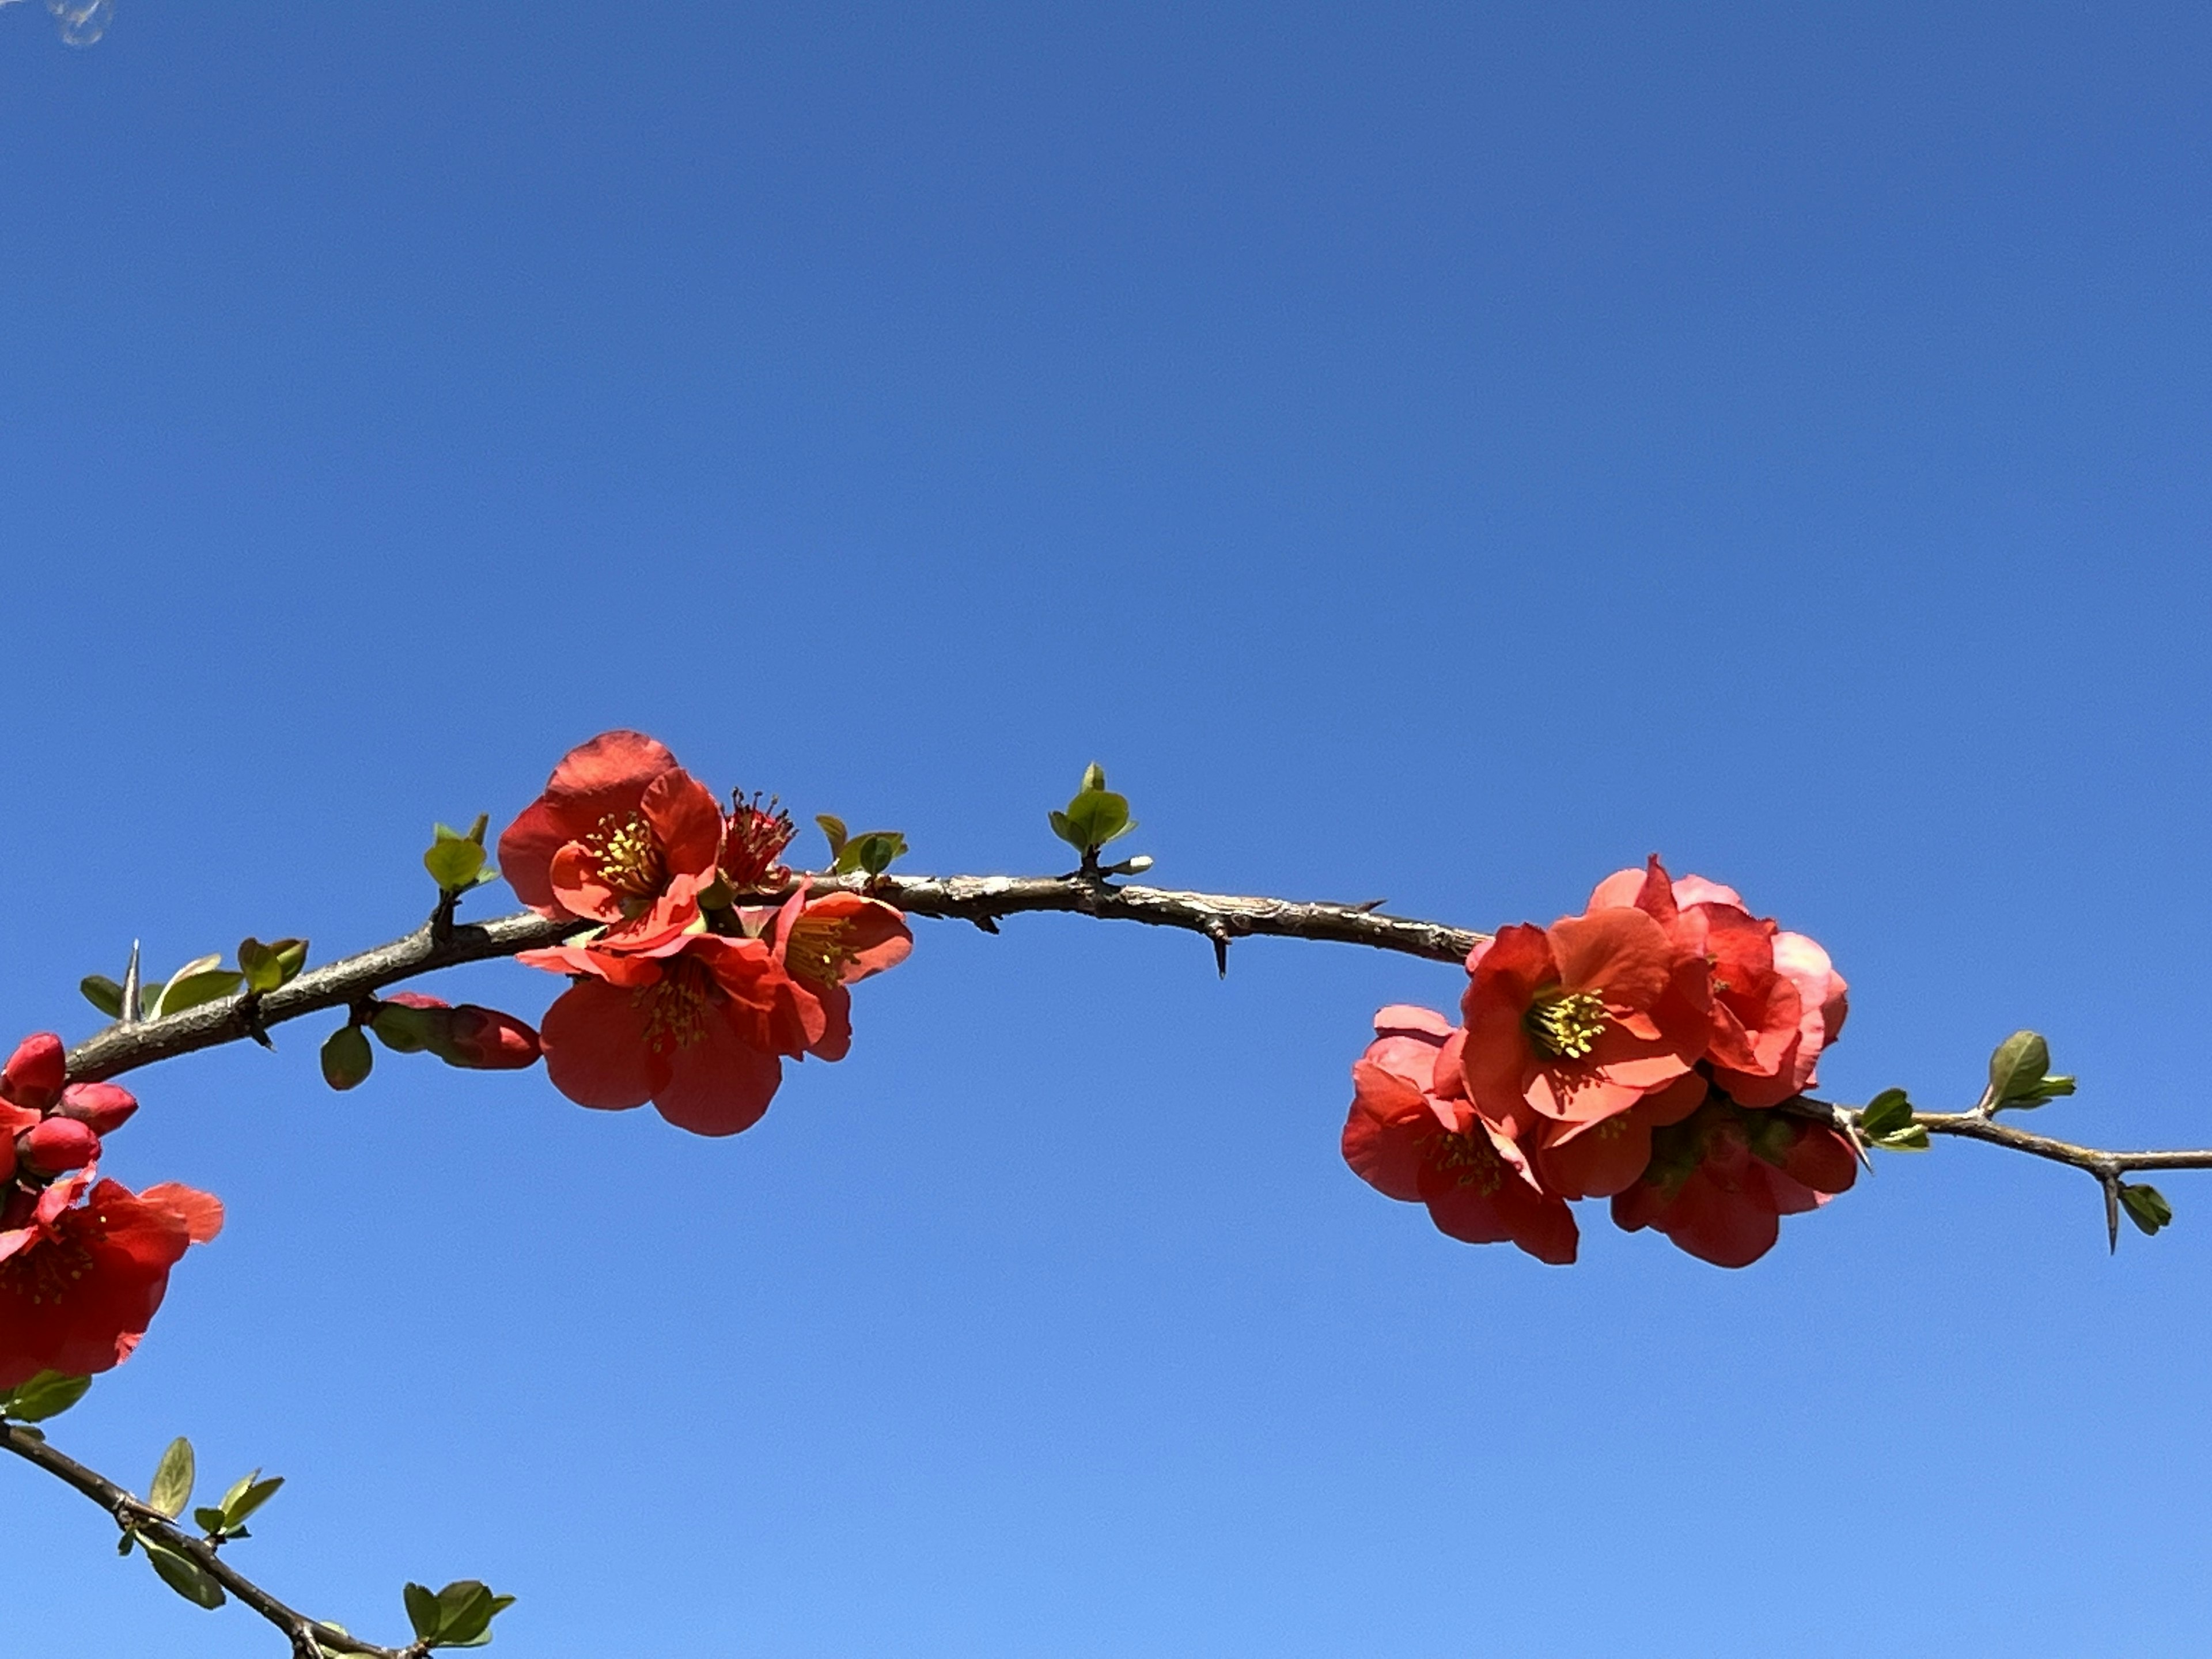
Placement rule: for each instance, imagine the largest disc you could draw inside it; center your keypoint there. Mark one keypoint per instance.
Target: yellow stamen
(1566, 1025)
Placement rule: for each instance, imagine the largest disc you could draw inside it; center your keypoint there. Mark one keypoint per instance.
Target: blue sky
(1445, 453)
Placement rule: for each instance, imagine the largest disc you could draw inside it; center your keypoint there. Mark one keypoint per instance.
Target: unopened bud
(103, 1108)
(486, 1040)
(347, 1057)
(35, 1072)
(407, 1022)
(59, 1145)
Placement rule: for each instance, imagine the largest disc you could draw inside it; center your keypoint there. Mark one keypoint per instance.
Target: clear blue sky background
(1437, 452)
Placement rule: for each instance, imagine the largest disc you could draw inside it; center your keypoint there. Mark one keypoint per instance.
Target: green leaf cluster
(2019, 1074)
(457, 1616)
(268, 966)
(456, 861)
(204, 979)
(1095, 814)
(872, 850)
(1887, 1122)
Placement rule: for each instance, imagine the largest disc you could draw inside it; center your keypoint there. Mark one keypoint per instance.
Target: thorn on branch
(131, 1013)
(1218, 930)
(249, 1010)
(1369, 907)
(988, 923)
(2111, 1182)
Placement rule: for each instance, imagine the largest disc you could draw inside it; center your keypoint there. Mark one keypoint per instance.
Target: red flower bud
(103, 1108)
(59, 1145)
(35, 1072)
(486, 1040)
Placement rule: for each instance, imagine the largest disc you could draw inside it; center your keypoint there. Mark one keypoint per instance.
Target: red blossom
(622, 836)
(700, 1025)
(1777, 1000)
(1720, 1181)
(753, 839)
(1580, 1020)
(35, 1072)
(79, 1282)
(1412, 1142)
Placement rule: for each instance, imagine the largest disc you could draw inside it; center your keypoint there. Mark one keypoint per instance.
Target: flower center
(676, 1007)
(1470, 1159)
(45, 1271)
(817, 950)
(628, 854)
(1565, 1025)
(755, 835)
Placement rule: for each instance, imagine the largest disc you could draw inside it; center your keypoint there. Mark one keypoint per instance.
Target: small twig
(304, 1634)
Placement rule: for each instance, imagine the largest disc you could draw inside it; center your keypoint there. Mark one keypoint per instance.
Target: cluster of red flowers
(83, 1263)
(1635, 1052)
(684, 996)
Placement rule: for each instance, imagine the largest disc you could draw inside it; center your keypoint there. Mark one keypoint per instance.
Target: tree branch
(308, 1636)
(443, 943)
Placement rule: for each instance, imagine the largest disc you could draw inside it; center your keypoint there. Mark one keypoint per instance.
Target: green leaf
(1094, 817)
(172, 1479)
(130, 1537)
(268, 966)
(423, 1610)
(2018, 1066)
(182, 1574)
(1065, 830)
(201, 980)
(1886, 1113)
(347, 1059)
(1912, 1140)
(454, 861)
(1094, 777)
(47, 1394)
(103, 994)
(2146, 1207)
(872, 850)
(247, 1496)
(208, 1520)
(834, 829)
(466, 1607)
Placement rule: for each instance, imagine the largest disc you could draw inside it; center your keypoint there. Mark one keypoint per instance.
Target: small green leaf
(454, 861)
(1911, 1140)
(103, 994)
(130, 1537)
(247, 1496)
(1065, 829)
(2018, 1074)
(872, 850)
(402, 1029)
(1886, 1113)
(464, 1611)
(1094, 817)
(423, 1610)
(2146, 1206)
(347, 1058)
(172, 1479)
(47, 1394)
(268, 966)
(834, 829)
(1094, 777)
(182, 1574)
(202, 978)
(208, 1521)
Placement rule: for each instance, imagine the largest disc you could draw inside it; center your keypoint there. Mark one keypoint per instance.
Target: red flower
(1720, 1183)
(1607, 1155)
(35, 1072)
(1410, 1139)
(623, 836)
(697, 1024)
(79, 1282)
(1580, 1020)
(753, 839)
(1777, 1000)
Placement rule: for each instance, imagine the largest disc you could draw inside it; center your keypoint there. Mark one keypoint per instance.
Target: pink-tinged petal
(718, 1084)
(526, 848)
(595, 1045)
(1728, 1229)
(1696, 889)
(1404, 1020)
(687, 823)
(1388, 1132)
(201, 1212)
(612, 768)
(1617, 891)
(1572, 1095)
(1822, 1160)
(1648, 890)
(876, 935)
(1621, 953)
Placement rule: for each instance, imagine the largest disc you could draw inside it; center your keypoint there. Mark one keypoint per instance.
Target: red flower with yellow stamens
(79, 1283)
(753, 839)
(1721, 1182)
(1409, 1141)
(1580, 1020)
(622, 836)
